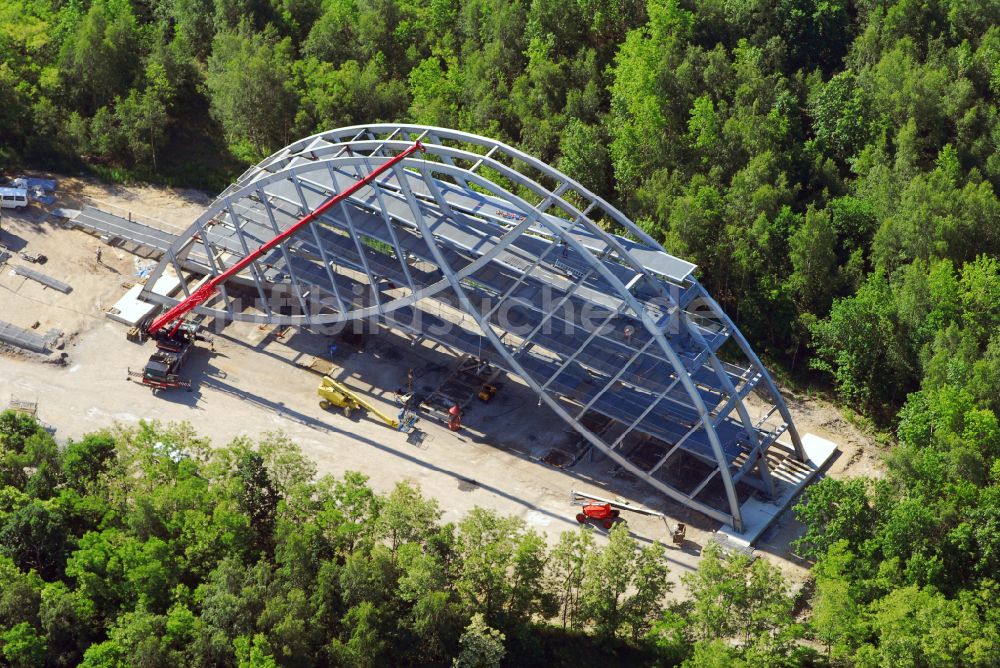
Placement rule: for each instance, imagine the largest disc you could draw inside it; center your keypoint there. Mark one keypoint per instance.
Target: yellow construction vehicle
(335, 393)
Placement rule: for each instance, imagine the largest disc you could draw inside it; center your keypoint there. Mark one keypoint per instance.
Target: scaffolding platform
(23, 406)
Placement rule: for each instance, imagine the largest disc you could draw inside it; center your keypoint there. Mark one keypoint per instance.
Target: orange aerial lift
(606, 511)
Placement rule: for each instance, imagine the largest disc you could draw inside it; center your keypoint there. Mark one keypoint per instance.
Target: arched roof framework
(592, 322)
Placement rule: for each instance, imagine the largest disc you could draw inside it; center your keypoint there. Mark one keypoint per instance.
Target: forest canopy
(147, 547)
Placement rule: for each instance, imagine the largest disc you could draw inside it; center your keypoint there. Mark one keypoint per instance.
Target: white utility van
(13, 198)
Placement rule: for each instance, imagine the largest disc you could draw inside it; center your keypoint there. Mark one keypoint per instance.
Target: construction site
(422, 304)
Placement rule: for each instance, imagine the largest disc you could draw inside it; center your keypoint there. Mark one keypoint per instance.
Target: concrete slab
(22, 338)
(168, 284)
(758, 515)
(44, 279)
(131, 310)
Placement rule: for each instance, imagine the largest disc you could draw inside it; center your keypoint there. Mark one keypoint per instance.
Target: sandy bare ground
(167, 208)
(251, 384)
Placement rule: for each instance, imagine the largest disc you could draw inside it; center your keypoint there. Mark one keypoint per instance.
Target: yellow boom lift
(335, 393)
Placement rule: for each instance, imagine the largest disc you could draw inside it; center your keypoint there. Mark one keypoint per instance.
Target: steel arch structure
(492, 253)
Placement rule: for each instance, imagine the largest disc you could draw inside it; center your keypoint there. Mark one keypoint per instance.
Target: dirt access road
(251, 384)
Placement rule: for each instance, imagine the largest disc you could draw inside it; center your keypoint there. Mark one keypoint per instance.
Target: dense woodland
(831, 166)
(146, 547)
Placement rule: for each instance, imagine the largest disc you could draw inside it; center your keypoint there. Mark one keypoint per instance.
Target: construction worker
(455, 421)
(99, 255)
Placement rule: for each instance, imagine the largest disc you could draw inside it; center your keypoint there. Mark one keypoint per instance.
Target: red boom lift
(173, 344)
(606, 511)
(599, 511)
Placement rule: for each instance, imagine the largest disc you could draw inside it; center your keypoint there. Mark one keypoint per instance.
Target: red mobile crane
(174, 344)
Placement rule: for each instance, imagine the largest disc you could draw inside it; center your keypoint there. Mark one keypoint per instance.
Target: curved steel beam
(454, 156)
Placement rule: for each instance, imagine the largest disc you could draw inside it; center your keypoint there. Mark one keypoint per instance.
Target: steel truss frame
(486, 231)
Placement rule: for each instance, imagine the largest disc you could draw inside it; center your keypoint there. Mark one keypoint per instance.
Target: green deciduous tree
(332, 96)
(918, 626)
(843, 115)
(19, 594)
(482, 646)
(583, 155)
(249, 77)
(736, 597)
(258, 499)
(142, 119)
(84, 461)
(437, 90)
(861, 346)
(22, 646)
(254, 652)
(567, 567)
(835, 510)
(642, 114)
(68, 622)
(406, 516)
(98, 60)
(501, 568)
(36, 536)
(623, 585)
(837, 617)
(812, 250)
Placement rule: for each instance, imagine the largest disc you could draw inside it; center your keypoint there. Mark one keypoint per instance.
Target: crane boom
(207, 289)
